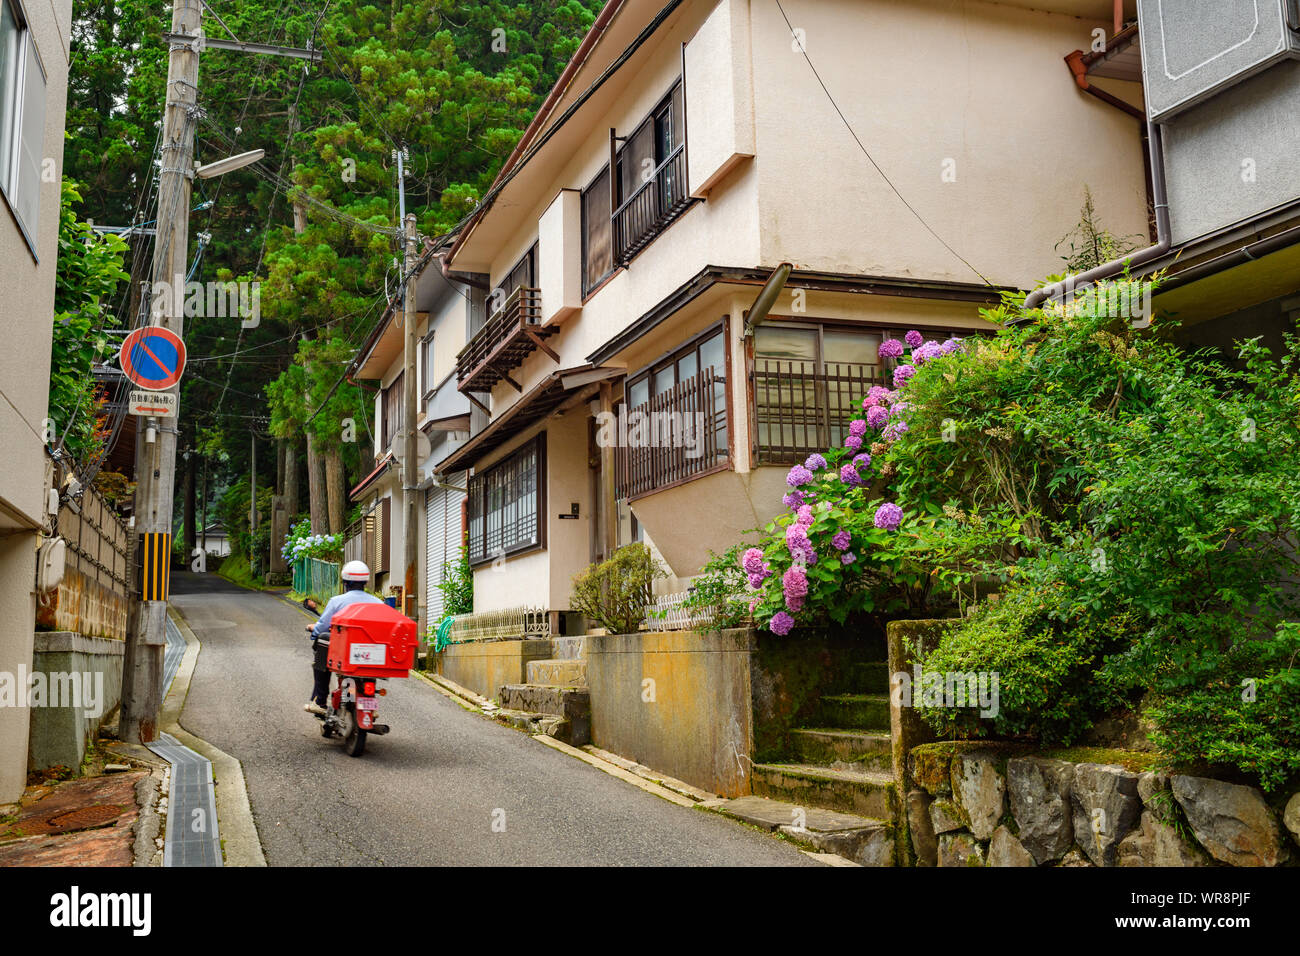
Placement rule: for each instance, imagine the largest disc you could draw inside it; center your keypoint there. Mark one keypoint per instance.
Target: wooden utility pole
(155, 460)
(410, 392)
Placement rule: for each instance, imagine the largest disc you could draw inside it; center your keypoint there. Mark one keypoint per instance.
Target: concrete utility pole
(410, 393)
(155, 462)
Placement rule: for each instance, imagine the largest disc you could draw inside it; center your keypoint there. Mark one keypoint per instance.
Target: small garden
(1107, 522)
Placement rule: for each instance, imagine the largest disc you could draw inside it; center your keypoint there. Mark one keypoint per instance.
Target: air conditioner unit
(1193, 49)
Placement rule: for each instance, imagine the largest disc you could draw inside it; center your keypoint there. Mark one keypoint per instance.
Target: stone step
(863, 840)
(561, 728)
(568, 648)
(870, 678)
(561, 672)
(867, 793)
(547, 699)
(856, 711)
(871, 750)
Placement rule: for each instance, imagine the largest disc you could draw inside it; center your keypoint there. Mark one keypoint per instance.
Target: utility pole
(155, 462)
(155, 449)
(410, 391)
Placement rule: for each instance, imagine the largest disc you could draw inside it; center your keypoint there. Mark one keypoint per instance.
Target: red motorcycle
(368, 643)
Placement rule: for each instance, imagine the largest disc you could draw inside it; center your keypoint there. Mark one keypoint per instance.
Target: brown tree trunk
(316, 489)
(291, 478)
(334, 489)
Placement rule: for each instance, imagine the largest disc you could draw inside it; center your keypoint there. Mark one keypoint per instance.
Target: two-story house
(33, 91)
(1217, 86)
(902, 157)
(448, 314)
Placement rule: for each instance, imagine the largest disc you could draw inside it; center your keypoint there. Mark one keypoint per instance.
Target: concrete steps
(572, 705)
(856, 711)
(560, 673)
(865, 793)
(868, 749)
(863, 840)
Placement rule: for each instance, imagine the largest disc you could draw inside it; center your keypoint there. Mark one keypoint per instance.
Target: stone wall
(486, 666)
(58, 734)
(995, 805)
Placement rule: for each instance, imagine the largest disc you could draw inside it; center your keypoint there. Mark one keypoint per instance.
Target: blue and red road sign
(153, 358)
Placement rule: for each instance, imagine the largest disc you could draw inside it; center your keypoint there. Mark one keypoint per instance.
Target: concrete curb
(234, 814)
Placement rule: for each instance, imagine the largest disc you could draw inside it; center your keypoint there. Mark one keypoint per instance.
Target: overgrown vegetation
(456, 585)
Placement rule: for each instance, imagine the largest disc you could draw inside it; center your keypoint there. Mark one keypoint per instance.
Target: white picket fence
(505, 624)
(667, 612)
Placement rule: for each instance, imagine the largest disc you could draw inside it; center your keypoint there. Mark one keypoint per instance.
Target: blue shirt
(337, 603)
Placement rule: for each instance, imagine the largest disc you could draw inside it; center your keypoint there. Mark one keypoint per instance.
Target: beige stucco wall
(27, 305)
(922, 82)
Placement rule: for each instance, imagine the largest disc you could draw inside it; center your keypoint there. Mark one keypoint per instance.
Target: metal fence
(319, 579)
(800, 408)
(667, 612)
(506, 624)
(685, 434)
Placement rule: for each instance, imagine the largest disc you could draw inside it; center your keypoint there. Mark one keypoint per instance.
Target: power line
(889, 182)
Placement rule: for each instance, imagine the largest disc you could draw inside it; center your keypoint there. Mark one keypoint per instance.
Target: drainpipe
(1163, 237)
(767, 296)
(1078, 61)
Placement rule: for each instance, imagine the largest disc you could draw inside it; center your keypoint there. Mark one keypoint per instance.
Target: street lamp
(229, 164)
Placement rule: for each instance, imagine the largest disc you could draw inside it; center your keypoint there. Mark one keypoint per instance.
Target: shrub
(457, 587)
(615, 593)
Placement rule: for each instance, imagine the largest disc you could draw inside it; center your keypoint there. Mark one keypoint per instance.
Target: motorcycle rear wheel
(354, 745)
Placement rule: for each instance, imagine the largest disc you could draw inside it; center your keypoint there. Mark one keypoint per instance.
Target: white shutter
(443, 542)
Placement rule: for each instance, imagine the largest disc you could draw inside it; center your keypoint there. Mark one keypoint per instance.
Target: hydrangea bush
(301, 543)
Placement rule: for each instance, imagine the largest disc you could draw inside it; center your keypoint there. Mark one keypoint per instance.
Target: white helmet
(355, 571)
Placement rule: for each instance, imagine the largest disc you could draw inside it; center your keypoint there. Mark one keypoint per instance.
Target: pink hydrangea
(853, 443)
(929, 350)
(797, 543)
(794, 585)
(877, 395)
(913, 338)
(877, 416)
(752, 562)
(890, 348)
(857, 427)
(847, 558)
(901, 376)
(849, 475)
(804, 516)
(781, 623)
(842, 540)
(888, 516)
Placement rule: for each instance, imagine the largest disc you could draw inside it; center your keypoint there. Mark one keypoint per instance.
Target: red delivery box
(371, 640)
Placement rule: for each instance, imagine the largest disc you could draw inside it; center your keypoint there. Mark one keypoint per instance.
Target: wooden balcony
(682, 435)
(649, 210)
(509, 336)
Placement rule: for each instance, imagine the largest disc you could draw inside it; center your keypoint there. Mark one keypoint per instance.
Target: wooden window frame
(426, 365)
(476, 506)
(590, 289)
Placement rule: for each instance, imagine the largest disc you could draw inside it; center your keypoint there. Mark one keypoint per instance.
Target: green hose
(443, 635)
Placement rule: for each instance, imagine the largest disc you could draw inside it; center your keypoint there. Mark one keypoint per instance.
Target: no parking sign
(153, 358)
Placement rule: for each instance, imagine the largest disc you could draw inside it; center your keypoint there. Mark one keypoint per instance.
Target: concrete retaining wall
(484, 666)
(58, 734)
(676, 701)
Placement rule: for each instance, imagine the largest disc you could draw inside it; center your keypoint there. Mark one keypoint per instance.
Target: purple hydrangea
(815, 462)
(929, 350)
(847, 558)
(901, 375)
(849, 475)
(862, 461)
(842, 540)
(877, 395)
(913, 338)
(857, 427)
(804, 516)
(794, 585)
(799, 475)
(877, 416)
(890, 348)
(853, 443)
(752, 562)
(793, 500)
(893, 431)
(888, 516)
(781, 623)
(796, 541)
(952, 345)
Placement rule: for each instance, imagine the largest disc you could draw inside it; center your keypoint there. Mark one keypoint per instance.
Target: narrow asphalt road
(429, 792)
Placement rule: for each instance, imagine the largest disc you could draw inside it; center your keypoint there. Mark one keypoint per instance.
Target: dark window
(394, 408)
(22, 118)
(505, 505)
(597, 247)
(426, 365)
(650, 177)
(522, 276)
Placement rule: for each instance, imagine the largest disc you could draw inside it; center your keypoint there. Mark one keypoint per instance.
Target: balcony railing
(678, 434)
(649, 210)
(800, 408)
(509, 336)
